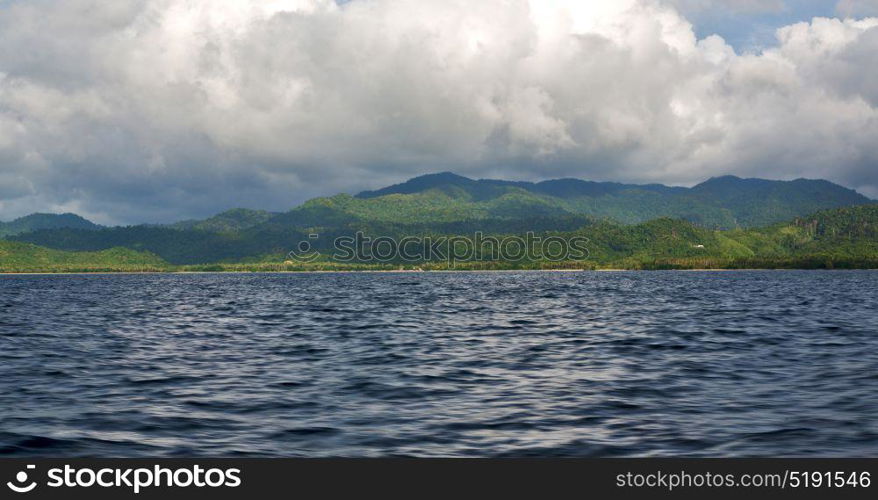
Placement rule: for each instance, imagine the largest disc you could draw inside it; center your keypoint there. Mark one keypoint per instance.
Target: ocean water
(747, 363)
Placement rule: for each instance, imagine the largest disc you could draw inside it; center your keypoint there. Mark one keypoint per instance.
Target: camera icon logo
(21, 478)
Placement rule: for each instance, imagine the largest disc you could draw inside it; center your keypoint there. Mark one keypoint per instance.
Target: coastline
(432, 271)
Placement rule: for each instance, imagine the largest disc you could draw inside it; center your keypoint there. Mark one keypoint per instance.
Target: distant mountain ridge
(450, 204)
(721, 202)
(37, 222)
(236, 219)
(564, 188)
(724, 202)
(837, 238)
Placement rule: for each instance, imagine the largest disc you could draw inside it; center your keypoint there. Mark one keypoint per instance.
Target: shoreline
(435, 271)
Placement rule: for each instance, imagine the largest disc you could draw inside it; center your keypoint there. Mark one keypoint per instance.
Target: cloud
(854, 8)
(145, 111)
(737, 6)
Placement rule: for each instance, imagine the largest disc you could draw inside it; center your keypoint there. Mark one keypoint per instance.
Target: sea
(446, 364)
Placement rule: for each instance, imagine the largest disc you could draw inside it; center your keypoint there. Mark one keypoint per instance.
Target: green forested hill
(758, 202)
(23, 257)
(36, 222)
(724, 202)
(173, 245)
(236, 219)
(627, 225)
(842, 238)
(843, 233)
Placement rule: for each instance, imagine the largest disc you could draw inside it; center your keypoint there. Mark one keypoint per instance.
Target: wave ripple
(743, 363)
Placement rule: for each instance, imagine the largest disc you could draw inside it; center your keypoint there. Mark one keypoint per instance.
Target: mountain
(842, 232)
(443, 198)
(837, 238)
(24, 257)
(723, 202)
(36, 222)
(236, 219)
(449, 204)
(173, 245)
(759, 202)
(487, 188)
(847, 237)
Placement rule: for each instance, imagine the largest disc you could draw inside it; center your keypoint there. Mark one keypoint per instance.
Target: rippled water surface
(457, 364)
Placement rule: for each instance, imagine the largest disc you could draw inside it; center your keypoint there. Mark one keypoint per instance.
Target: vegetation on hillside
(37, 222)
(236, 219)
(23, 257)
(832, 239)
(682, 234)
(722, 203)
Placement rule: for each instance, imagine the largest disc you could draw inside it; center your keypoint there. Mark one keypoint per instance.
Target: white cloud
(739, 6)
(131, 110)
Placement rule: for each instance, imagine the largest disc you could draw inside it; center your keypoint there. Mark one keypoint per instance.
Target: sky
(136, 111)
